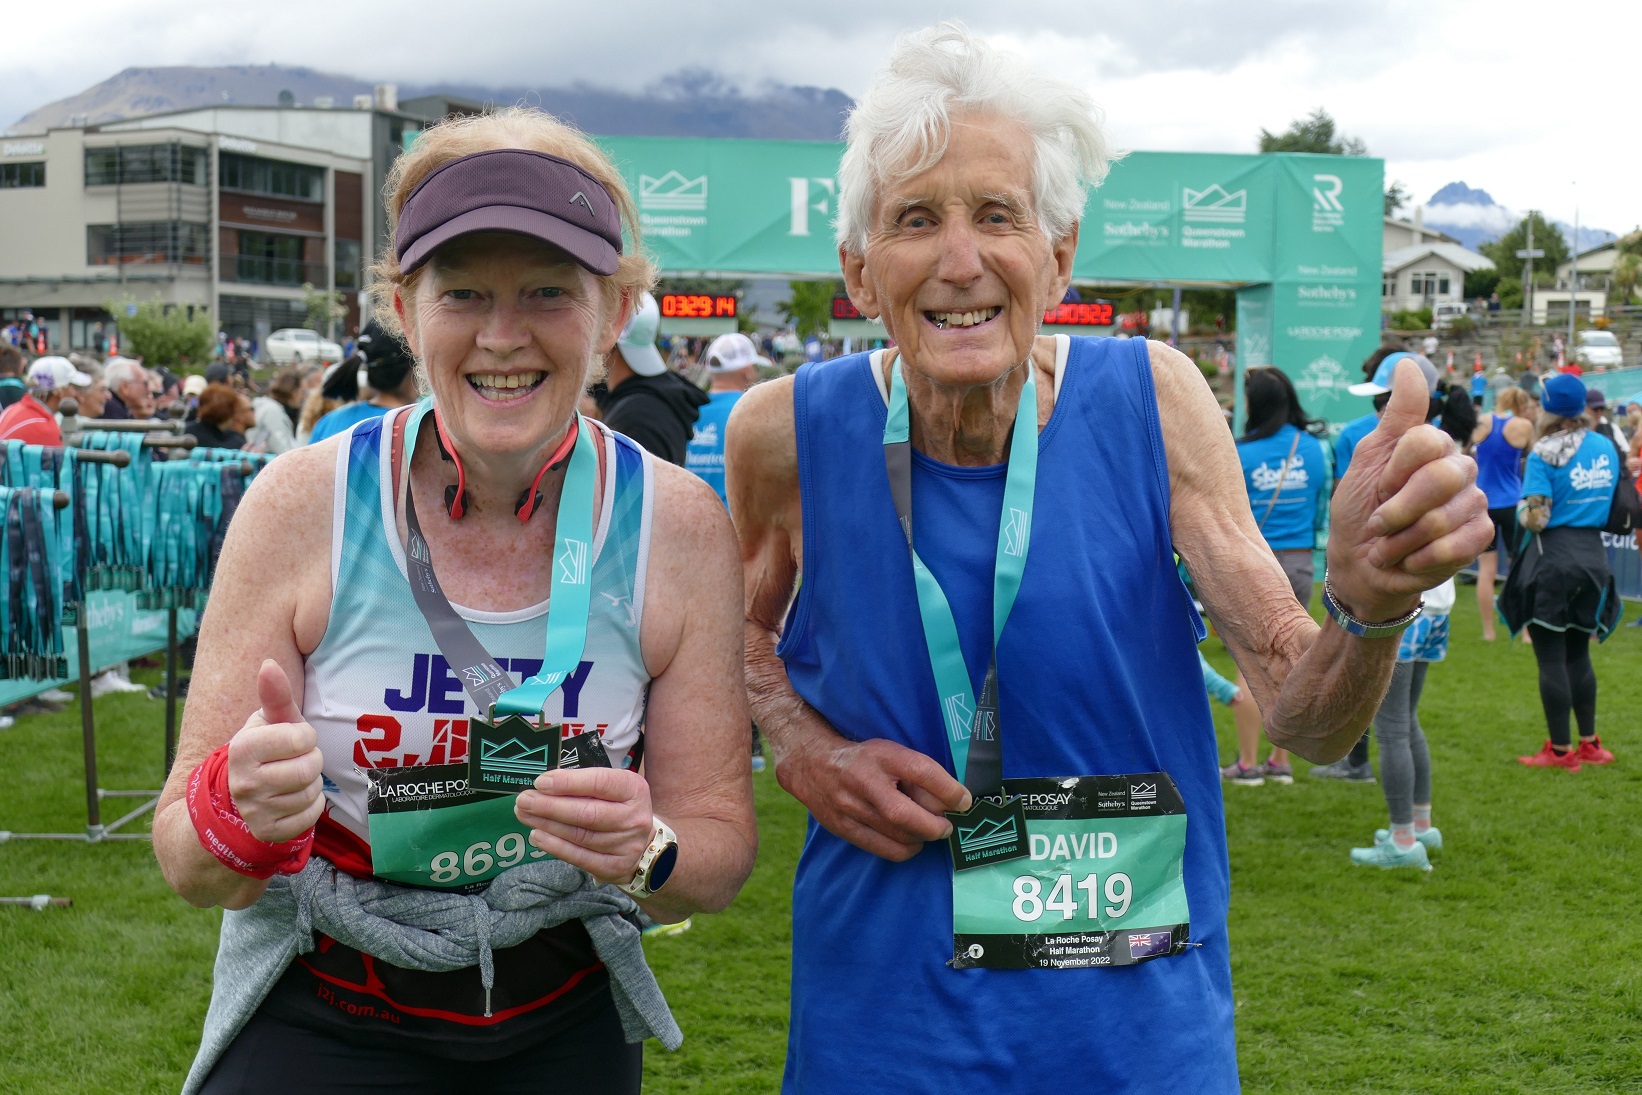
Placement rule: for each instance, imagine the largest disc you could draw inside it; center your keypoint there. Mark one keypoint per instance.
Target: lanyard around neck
(491, 689)
(972, 729)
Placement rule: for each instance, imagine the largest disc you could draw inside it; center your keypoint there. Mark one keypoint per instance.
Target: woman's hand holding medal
(598, 819)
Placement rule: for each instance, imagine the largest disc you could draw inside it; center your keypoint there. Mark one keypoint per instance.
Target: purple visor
(512, 190)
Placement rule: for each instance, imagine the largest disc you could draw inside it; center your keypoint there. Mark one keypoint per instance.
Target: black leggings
(1567, 681)
(272, 1057)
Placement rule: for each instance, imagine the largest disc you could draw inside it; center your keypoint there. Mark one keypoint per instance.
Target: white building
(1421, 275)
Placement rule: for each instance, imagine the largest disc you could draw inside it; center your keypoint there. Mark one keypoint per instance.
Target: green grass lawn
(1515, 966)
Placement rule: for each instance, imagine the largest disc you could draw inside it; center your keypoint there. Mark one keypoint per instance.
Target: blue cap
(1564, 394)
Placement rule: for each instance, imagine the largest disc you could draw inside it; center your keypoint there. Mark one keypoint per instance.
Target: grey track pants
(1405, 762)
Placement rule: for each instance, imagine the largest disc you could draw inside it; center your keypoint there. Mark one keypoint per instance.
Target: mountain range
(689, 103)
(1474, 218)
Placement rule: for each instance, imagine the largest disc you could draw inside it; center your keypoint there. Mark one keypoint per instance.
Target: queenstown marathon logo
(1212, 217)
(1017, 532)
(960, 717)
(673, 191)
(1291, 473)
(573, 563)
(672, 205)
(1598, 475)
(1327, 211)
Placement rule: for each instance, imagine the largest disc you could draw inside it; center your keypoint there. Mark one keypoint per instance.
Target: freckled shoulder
(695, 565)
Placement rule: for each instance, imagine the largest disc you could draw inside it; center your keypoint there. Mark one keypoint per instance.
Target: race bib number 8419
(1102, 885)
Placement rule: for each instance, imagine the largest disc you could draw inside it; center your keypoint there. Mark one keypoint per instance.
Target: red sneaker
(1591, 752)
(1550, 758)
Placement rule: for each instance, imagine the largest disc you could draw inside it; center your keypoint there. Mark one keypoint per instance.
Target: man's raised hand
(1408, 514)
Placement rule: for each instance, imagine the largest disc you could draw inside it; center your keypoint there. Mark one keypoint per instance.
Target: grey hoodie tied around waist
(431, 930)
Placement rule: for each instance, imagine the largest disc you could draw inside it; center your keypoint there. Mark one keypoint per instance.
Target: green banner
(1301, 233)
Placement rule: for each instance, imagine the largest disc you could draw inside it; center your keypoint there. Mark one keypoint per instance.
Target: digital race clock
(697, 306)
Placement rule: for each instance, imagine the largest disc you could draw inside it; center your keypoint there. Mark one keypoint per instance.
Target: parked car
(292, 344)
(1598, 349)
(1445, 312)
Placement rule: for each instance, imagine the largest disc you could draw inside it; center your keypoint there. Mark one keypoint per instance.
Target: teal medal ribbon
(517, 751)
(994, 828)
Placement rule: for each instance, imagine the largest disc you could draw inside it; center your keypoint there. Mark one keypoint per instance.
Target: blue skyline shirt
(705, 453)
(1581, 491)
(1301, 506)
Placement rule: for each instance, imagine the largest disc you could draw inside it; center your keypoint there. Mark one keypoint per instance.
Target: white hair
(121, 370)
(901, 126)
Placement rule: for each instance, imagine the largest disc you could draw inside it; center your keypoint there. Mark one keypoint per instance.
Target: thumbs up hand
(1408, 515)
(274, 764)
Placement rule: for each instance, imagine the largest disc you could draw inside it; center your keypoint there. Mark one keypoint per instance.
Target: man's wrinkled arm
(1317, 687)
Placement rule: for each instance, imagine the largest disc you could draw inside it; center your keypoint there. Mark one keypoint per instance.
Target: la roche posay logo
(1597, 475)
(1291, 473)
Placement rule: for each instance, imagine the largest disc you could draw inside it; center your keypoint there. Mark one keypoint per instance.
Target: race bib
(1101, 884)
(430, 828)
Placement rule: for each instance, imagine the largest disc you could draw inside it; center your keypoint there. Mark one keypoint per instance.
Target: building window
(18, 175)
(347, 264)
(255, 175)
(1388, 286)
(146, 163)
(269, 258)
(147, 241)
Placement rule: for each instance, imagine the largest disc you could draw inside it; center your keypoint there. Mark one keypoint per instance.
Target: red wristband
(223, 832)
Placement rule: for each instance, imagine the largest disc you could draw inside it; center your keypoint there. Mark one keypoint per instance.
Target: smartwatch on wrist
(656, 864)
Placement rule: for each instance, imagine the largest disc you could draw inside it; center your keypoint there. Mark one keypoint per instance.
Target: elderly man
(128, 391)
(955, 930)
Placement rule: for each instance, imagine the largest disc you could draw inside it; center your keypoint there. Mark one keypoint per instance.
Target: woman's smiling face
(508, 329)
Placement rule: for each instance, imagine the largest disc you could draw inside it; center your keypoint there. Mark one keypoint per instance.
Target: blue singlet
(1098, 673)
(1499, 466)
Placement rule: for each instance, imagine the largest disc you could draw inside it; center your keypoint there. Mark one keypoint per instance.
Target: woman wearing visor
(468, 586)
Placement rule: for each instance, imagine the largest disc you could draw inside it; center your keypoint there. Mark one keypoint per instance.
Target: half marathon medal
(1101, 886)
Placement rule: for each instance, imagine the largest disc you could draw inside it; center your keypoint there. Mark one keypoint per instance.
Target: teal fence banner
(120, 631)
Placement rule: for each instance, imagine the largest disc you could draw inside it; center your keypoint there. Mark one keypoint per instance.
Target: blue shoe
(1431, 838)
(758, 763)
(1388, 856)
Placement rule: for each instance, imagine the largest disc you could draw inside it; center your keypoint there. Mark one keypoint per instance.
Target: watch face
(662, 868)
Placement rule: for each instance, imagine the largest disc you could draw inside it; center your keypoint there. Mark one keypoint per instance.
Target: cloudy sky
(1530, 104)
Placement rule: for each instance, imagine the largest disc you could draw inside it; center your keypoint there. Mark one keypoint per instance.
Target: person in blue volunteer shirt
(961, 682)
(1561, 589)
(1286, 476)
(732, 362)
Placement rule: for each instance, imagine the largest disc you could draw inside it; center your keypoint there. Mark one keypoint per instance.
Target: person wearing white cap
(731, 363)
(33, 419)
(655, 407)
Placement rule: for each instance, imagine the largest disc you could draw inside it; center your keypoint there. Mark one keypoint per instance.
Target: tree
(161, 333)
(1546, 238)
(1480, 283)
(1396, 196)
(324, 309)
(1627, 271)
(1316, 133)
(810, 306)
(1313, 133)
